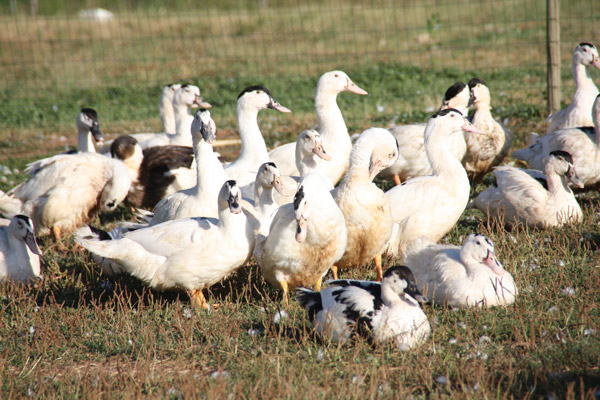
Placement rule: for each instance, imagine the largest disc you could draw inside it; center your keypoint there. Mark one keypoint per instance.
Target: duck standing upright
(332, 128)
(430, 206)
(366, 208)
(305, 238)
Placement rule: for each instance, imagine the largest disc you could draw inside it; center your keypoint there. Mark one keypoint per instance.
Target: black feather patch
(441, 113)
(25, 219)
(91, 113)
(586, 44)
(542, 181)
(255, 87)
(473, 82)
(298, 197)
(310, 300)
(453, 91)
(123, 147)
(271, 164)
(563, 154)
(102, 235)
(588, 130)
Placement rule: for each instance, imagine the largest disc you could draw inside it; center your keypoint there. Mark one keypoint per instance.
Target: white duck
(412, 157)
(578, 113)
(583, 144)
(19, 251)
(310, 154)
(381, 312)
(332, 129)
(188, 254)
(167, 117)
(305, 239)
(464, 276)
(519, 197)
(253, 152)
(264, 204)
(65, 191)
(484, 151)
(200, 200)
(430, 206)
(185, 98)
(366, 208)
(88, 129)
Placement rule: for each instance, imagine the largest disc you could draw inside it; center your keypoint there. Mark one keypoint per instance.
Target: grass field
(81, 334)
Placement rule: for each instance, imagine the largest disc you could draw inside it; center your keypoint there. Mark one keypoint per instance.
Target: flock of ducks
(309, 207)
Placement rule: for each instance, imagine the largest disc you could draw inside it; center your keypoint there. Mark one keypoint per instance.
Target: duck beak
(32, 243)
(351, 87)
(276, 106)
(468, 127)
(572, 175)
(596, 62)
(301, 229)
(200, 102)
(491, 261)
(319, 150)
(97, 134)
(234, 205)
(279, 186)
(375, 168)
(413, 291)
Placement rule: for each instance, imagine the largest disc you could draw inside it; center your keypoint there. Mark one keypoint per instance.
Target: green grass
(79, 333)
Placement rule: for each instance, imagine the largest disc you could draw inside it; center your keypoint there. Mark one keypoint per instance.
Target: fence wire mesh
(63, 44)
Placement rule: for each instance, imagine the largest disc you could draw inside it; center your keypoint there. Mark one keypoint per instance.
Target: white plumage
(382, 312)
(253, 152)
(578, 113)
(464, 276)
(188, 254)
(484, 151)
(19, 252)
(66, 190)
(582, 144)
(430, 206)
(519, 197)
(332, 129)
(200, 200)
(412, 156)
(305, 239)
(366, 208)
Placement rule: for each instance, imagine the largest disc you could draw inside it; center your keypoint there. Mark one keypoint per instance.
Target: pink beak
(596, 62)
(351, 87)
(468, 127)
(200, 102)
(491, 261)
(320, 151)
(301, 229)
(375, 168)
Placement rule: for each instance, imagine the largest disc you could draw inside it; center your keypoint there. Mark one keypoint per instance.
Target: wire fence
(64, 44)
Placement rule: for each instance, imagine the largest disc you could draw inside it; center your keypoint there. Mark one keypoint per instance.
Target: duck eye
(478, 243)
(336, 75)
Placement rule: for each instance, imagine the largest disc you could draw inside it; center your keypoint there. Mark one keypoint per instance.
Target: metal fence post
(553, 55)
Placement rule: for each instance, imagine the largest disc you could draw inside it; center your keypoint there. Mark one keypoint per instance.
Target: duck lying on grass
(381, 312)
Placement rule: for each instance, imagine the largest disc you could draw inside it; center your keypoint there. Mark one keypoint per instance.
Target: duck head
(335, 82)
(260, 98)
(562, 162)
(204, 126)
(268, 176)
(189, 95)
(457, 96)
(87, 121)
(22, 227)
(479, 249)
(586, 54)
(399, 281)
(310, 142)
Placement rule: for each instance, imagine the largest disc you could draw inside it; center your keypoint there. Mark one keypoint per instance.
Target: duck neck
(183, 121)
(202, 153)
(583, 79)
(305, 162)
(443, 163)
(557, 184)
(167, 115)
(254, 149)
(85, 141)
(331, 121)
(360, 162)
(263, 196)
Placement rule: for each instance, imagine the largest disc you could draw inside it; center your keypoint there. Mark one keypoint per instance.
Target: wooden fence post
(553, 54)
